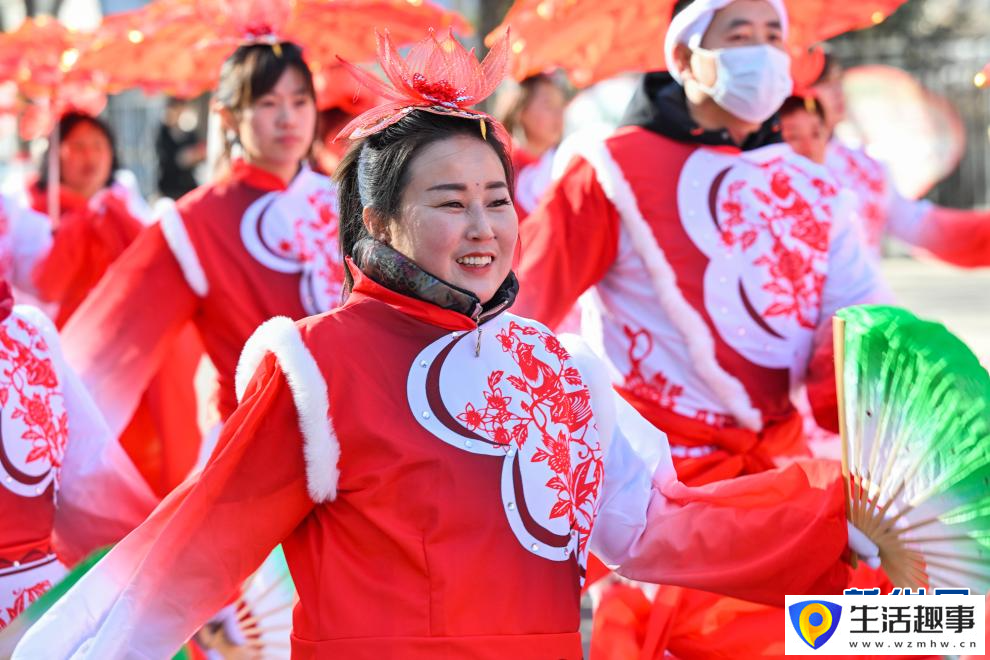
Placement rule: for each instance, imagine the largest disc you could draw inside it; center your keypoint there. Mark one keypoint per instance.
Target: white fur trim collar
(281, 337)
(174, 230)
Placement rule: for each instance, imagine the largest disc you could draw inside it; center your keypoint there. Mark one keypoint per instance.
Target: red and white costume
(89, 235)
(66, 486)
(714, 283)
(960, 237)
(712, 275)
(226, 257)
(418, 469)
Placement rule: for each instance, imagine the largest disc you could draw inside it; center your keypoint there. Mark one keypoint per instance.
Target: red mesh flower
(438, 75)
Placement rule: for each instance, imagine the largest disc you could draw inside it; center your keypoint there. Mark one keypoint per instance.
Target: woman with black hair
(436, 468)
(257, 242)
(98, 216)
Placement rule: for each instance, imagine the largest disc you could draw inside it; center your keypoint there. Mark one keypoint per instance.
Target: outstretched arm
(169, 576)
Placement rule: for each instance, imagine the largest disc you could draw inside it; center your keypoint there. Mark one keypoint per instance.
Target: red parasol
(177, 46)
(39, 59)
(596, 39)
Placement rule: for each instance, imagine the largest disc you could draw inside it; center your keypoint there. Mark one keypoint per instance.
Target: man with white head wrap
(714, 259)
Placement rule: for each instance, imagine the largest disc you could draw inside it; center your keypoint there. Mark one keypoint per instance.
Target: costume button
(426, 414)
(534, 547)
(468, 444)
(38, 490)
(511, 506)
(16, 564)
(423, 363)
(9, 480)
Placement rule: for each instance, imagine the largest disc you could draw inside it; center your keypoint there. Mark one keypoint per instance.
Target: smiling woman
(436, 190)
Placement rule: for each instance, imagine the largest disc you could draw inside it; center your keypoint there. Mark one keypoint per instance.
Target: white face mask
(752, 81)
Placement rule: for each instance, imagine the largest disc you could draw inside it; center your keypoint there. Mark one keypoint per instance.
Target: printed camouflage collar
(397, 272)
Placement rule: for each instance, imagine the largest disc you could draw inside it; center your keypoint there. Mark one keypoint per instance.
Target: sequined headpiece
(437, 76)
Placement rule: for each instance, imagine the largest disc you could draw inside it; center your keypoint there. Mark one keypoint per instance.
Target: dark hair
(375, 171)
(65, 126)
(253, 71)
(802, 103)
(510, 116)
(680, 6)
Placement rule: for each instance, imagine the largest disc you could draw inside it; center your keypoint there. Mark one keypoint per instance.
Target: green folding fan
(914, 412)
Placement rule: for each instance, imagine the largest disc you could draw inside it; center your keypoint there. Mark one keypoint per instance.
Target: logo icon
(815, 621)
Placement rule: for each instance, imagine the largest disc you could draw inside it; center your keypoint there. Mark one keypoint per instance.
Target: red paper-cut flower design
(314, 244)
(28, 383)
(23, 598)
(555, 408)
(656, 388)
(798, 255)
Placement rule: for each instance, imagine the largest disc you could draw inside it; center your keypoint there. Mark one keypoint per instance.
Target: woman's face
(277, 129)
(85, 158)
(806, 133)
(542, 119)
(456, 217)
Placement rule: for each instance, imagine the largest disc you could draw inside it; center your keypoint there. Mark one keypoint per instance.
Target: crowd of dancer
(445, 474)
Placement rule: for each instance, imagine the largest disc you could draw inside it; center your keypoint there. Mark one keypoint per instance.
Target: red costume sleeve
(118, 337)
(568, 244)
(959, 237)
(86, 242)
(175, 571)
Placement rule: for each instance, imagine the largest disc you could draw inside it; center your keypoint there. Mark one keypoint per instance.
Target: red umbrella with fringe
(177, 46)
(596, 39)
(40, 69)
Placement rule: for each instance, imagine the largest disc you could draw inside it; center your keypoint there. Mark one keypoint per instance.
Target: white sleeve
(906, 217)
(101, 495)
(31, 240)
(853, 275)
(636, 455)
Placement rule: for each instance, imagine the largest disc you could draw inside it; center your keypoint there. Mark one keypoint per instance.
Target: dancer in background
(957, 236)
(98, 219)
(98, 216)
(533, 114)
(420, 452)
(258, 242)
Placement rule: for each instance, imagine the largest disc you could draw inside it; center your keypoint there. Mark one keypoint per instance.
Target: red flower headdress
(437, 76)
